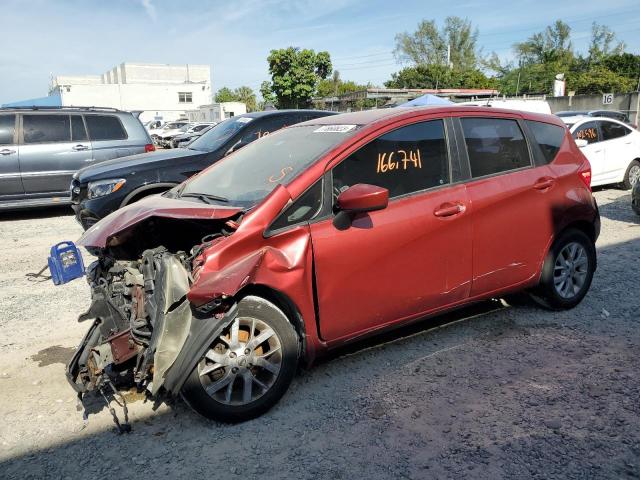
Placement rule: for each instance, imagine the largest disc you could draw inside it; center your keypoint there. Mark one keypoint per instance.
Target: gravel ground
(487, 392)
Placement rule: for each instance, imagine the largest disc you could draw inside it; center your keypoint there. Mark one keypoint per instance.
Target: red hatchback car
(326, 232)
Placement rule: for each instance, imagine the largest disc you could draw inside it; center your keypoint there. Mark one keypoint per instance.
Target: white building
(216, 112)
(161, 92)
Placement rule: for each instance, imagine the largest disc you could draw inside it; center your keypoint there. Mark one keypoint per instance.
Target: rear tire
(632, 175)
(248, 367)
(567, 271)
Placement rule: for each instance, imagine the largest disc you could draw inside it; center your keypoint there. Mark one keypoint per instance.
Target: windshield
(222, 132)
(184, 128)
(250, 174)
(171, 126)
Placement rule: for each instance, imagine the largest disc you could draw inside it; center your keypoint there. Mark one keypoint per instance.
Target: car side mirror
(359, 198)
(581, 142)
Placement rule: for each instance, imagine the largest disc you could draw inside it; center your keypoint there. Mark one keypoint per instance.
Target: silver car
(41, 148)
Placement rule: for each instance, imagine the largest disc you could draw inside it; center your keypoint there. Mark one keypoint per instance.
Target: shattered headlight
(104, 187)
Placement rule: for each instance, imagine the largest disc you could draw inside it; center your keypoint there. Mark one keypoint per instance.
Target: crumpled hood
(142, 161)
(120, 221)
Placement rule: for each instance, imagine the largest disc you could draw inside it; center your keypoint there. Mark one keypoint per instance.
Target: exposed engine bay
(145, 333)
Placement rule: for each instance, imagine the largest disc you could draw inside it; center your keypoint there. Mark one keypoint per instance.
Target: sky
(87, 37)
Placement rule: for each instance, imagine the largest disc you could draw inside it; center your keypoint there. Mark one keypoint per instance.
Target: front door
(410, 258)
(10, 182)
(51, 152)
(594, 151)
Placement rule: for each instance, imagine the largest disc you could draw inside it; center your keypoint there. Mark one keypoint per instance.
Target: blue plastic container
(65, 263)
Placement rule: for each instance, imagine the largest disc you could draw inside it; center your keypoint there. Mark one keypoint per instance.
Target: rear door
(50, 154)
(511, 214)
(10, 181)
(594, 151)
(619, 149)
(108, 136)
(408, 259)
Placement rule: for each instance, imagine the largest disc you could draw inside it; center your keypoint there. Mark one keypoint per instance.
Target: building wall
(624, 102)
(153, 100)
(150, 88)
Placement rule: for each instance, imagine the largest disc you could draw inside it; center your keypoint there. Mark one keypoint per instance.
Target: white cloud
(150, 9)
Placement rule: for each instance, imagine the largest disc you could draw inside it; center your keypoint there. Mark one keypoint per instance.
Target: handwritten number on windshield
(283, 173)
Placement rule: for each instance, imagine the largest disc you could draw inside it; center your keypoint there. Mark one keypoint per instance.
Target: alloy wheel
(570, 270)
(634, 174)
(243, 363)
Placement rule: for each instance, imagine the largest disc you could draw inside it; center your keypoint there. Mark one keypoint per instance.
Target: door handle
(543, 183)
(80, 148)
(449, 209)
(6, 151)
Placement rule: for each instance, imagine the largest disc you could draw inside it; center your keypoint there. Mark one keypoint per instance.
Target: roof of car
(367, 117)
(267, 113)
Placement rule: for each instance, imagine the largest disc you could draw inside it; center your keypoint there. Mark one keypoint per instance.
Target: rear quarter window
(548, 137)
(105, 127)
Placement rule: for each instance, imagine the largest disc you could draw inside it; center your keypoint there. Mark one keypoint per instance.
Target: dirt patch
(51, 355)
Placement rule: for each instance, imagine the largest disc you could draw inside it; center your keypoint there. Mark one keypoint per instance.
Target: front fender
(201, 333)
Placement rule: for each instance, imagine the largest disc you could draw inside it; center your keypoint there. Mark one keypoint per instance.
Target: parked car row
(294, 243)
(165, 137)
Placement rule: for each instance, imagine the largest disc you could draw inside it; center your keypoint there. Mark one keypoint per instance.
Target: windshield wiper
(206, 197)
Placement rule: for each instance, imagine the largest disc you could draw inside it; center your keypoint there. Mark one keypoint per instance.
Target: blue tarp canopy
(50, 101)
(426, 100)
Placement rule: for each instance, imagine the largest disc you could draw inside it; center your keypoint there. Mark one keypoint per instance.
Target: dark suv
(100, 190)
(42, 147)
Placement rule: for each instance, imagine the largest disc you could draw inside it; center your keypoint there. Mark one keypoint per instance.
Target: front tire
(632, 175)
(567, 271)
(248, 367)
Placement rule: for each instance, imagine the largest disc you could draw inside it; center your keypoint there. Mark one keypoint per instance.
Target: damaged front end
(145, 332)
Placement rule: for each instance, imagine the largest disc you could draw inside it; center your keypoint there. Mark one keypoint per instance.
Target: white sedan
(613, 149)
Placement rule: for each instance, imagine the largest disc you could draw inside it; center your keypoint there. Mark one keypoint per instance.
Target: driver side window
(406, 160)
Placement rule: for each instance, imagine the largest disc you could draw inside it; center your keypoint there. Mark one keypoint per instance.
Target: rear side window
(7, 129)
(494, 145)
(587, 131)
(404, 161)
(78, 132)
(612, 130)
(105, 127)
(46, 128)
(549, 138)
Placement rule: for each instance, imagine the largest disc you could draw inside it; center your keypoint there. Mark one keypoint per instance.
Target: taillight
(585, 174)
(149, 147)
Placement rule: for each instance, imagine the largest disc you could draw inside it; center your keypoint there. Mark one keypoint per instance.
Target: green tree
(601, 46)
(242, 94)
(246, 95)
(624, 64)
(439, 76)
(428, 44)
(295, 74)
(267, 94)
(599, 79)
(334, 86)
(225, 95)
(551, 45)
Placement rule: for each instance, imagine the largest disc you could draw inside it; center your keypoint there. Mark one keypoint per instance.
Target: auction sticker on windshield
(244, 120)
(334, 129)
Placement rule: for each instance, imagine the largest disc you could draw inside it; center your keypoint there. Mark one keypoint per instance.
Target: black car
(99, 190)
(635, 198)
